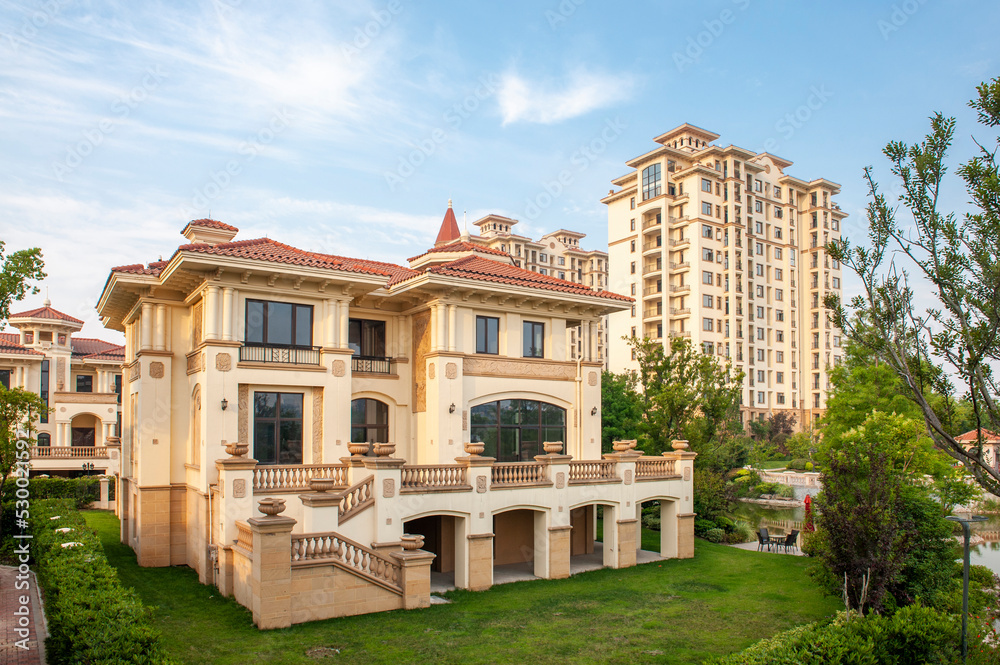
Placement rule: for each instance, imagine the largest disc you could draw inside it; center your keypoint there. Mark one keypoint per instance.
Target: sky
(345, 127)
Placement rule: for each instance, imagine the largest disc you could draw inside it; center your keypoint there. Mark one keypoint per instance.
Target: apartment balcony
(98, 459)
(680, 311)
(650, 223)
(679, 289)
(677, 267)
(280, 354)
(652, 245)
(651, 290)
(371, 365)
(652, 267)
(681, 333)
(84, 398)
(683, 242)
(652, 312)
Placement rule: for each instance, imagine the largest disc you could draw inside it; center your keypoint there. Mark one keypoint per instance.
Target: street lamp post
(965, 522)
(88, 467)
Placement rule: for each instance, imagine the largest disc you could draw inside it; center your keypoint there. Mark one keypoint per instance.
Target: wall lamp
(225, 404)
(451, 409)
(593, 411)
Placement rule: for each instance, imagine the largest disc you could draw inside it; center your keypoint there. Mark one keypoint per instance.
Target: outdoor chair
(790, 540)
(765, 539)
(761, 541)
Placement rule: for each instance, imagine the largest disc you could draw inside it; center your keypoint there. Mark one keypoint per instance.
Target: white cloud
(551, 101)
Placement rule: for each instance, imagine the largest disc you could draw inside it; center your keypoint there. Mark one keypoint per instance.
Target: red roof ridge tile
(461, 246)
(45, 312)
(212, 224)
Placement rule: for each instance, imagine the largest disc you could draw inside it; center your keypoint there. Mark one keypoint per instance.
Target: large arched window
(44, 439)
(514, 429)
(369, 421)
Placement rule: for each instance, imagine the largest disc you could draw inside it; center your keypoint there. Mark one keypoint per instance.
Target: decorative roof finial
(449, 203)
(47, 303)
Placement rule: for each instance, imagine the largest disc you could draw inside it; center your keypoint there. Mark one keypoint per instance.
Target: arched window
(369, 421)
(44, 439)
(514, 429)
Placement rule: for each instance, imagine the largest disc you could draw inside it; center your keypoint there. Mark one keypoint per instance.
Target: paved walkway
(22, 626)
(753, 548)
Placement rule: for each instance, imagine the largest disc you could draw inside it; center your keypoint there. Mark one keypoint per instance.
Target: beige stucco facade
(720, 245)
(195, 382)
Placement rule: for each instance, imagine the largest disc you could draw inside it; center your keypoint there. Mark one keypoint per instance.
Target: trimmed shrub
(915, 634)
(715, 535)
(83, 491)
(92, 618)
(702, 525)
(798, 464)
(809, 466)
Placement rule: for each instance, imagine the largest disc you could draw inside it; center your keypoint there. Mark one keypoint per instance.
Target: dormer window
(45, 336)
(29, 338)
(62, 339)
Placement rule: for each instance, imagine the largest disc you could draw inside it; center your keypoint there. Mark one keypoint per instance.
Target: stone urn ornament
(237, 448)
(384, 449)
(679, 445)
(411, 542)
(553, 447)
(622, 446)
(358, 448)
(271, 507)
(322, 485)
(474, 448)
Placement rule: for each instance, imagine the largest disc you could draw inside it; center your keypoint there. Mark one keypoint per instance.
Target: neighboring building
(720, 245)
(307, 359)
(991, 446)
(557, 254)
(78, 377)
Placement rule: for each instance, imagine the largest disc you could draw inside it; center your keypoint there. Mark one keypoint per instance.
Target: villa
(316, 435)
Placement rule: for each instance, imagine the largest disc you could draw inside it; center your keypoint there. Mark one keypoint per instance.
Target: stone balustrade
(431, 477)
(270, 478)
(312, 548)
(69, 452)
(518, 474)
(244, 538)
(355, 499)
(654, 467)
(592, 471)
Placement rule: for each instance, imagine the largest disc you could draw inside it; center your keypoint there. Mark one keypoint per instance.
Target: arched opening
(445, 536)
(657, 524)
(85, 430)
(513, 430)
(369, 421)
(589, 549)
(520, 545)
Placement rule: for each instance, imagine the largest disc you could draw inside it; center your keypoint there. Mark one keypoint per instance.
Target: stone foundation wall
(325, 592)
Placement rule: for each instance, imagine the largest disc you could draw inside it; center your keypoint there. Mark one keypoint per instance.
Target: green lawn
(671, 612)
(773, 464)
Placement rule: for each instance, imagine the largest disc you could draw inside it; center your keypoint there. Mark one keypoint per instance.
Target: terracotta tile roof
(116, 354)
(486, 270)
(449, 228)
(213, 224)
(265, 249)
(87, 346)
(45, 313)
(461, 246)
(154, 268)
(11, 343)
(971, 437)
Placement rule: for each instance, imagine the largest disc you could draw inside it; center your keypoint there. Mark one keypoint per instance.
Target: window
(836, 282)
(706, 208)
(633, 288)
(777, 253)
(778, 273)
(44, 439)
(633, 246)
(706, 277)
(707, 254)
(5, 378)
(278, 323)
(779, 294)
(62, 339)
(84, 383)
(543, 257)
(760, 269)
(706, 301)
(781, 398)
(760, 355)
(836, 340)
(633, 267)
(760, 312)
(760, 249)
(277, 428)
(706, 231)
(779, 336)
(632, 206)
(562, 275)
(758, 207)
(650, 182)
(777, 215)
(706, 185)
(708, 324)
(369, 422)
(760, 376)
(779, 356)
(513, 430)
(83, 437)
(760, 396)
(534, 339)
(632, 224)
(43, 391)
(760, 333)
(562, 260)
(777, 192)
(760, 291)
(757, 186)
(487, 334)
(835, 224)
(366, 338)
(777, 233)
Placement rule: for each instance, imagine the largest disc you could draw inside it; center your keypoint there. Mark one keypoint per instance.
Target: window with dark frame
(533, 339)
(43, 391)
(487, 334)
(651, 182)
(5, 378)
(277, 428)
(514, 430)
(366, 338)
(369, 422)
(84, 383)
(270, 323)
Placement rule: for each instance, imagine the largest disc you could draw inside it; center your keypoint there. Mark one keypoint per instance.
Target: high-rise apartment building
(557, 254)
(720, 245)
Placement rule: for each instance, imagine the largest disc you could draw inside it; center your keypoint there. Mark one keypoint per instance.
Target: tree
(960, 257)
(19, 409)
(685, 394)
(18, 270)
(876, 523)
(621, 408)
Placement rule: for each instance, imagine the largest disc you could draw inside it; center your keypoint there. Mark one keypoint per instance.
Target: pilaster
(272, 571)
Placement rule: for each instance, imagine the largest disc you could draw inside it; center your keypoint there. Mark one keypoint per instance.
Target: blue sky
(346, 127)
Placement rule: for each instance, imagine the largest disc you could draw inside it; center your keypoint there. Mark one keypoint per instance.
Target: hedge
(915, 634)
(82, 490)
(92, 618)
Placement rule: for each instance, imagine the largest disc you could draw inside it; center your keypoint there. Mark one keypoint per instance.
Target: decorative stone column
(558, 527)
(103, 503)
(320, 512)
(478, 573)
(272, 566)
(684, 467)
(416, 574)
(387, 475)
(626, 525)
(235, 503)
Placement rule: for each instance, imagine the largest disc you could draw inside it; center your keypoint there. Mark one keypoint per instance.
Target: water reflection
(988, 553)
